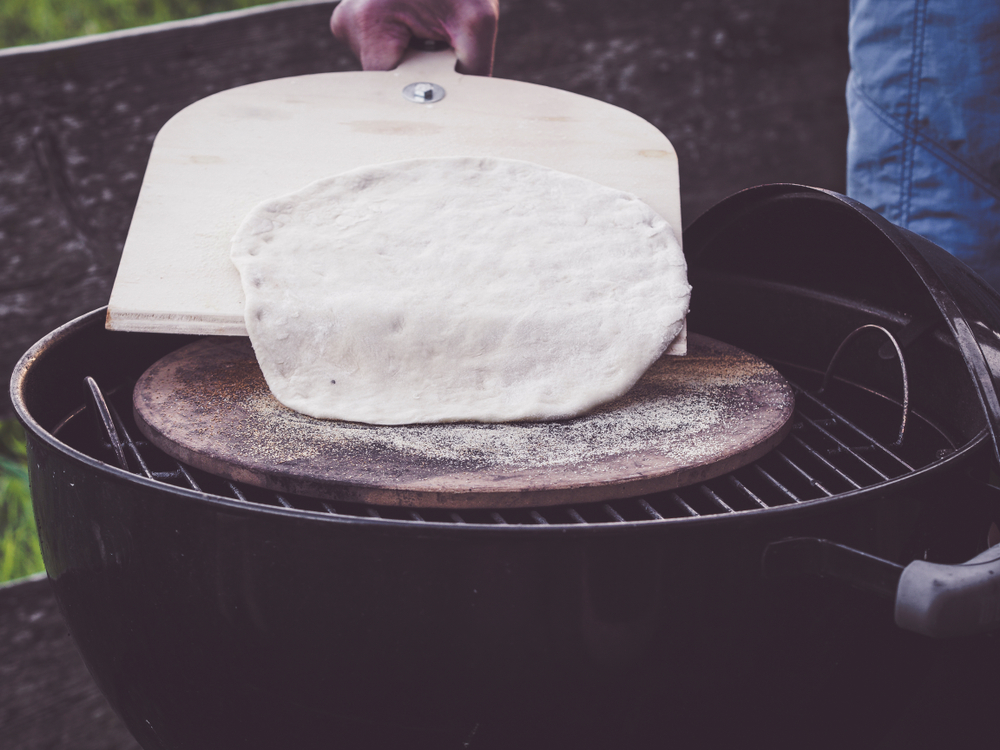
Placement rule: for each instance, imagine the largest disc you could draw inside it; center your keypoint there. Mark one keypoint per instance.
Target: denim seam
(911, 134)
(912, 111)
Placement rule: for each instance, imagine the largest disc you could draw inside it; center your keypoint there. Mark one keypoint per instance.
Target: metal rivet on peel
(423, 93)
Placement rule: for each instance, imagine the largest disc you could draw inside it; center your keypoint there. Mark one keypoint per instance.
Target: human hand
(378, 31)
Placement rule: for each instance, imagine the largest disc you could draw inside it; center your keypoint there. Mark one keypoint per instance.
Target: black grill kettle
(211, 622)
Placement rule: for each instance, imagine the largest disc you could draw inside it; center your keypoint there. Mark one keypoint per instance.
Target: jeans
(923, 100)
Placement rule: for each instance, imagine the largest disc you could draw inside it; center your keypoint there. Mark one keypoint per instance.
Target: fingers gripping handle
(950, 600)
(429, 58)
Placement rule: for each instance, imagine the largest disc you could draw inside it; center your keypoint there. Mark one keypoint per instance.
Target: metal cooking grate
(825, 454)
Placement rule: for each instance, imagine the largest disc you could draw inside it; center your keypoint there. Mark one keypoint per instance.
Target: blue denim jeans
(923, 99)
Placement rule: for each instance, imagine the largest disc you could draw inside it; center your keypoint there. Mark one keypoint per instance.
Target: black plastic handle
(950, 600)
(942, 601)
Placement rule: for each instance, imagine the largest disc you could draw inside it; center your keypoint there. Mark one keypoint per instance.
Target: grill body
(212, 621)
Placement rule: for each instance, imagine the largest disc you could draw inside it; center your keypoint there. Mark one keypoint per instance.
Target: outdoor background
(34, 21)
(31, 22)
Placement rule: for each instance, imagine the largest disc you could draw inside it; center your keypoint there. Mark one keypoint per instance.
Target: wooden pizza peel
(218, 158)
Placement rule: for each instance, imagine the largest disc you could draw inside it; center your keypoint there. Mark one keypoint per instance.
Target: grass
(31, 22)
(19, 552)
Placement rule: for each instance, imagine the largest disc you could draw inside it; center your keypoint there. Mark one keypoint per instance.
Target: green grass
(19, 552)
(33, 21)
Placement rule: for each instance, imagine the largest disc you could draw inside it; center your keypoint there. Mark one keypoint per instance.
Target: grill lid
(821, 240)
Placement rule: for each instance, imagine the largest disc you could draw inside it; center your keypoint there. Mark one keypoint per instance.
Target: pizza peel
(207, 404)
(219, 157)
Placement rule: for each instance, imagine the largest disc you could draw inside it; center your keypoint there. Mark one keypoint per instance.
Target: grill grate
(825, 454)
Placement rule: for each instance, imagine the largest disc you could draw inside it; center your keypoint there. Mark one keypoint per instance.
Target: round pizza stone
(688, 419)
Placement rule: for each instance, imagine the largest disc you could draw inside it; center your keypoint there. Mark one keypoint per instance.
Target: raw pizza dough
(457, 289)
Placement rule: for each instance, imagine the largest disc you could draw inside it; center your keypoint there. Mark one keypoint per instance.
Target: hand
(378, 31)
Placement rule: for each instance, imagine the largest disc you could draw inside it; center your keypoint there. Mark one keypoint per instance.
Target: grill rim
(761, 515)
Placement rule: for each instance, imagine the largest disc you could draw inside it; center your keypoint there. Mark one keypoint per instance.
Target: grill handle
(942, 601)
(950, 600)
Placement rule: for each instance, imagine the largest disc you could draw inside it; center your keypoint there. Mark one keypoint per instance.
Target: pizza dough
(457, 289)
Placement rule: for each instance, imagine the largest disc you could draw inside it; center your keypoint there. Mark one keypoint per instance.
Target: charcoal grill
(214, 614)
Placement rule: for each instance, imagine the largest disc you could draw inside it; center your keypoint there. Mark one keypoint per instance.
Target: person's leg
(924, 105)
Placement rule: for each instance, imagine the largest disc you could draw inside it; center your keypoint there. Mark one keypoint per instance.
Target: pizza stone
(457, 289)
